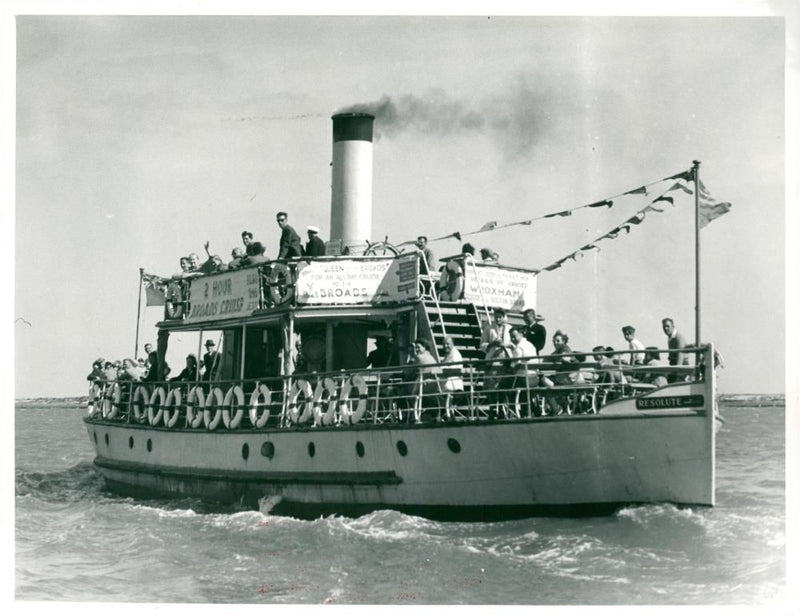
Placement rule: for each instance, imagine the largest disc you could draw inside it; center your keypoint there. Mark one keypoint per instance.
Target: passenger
(534, 331)
(566, 373)
(130, 371)
(608, 372)
(422, 245)
(258, 255)
(237, 255)
(194, 262)
(496, 334)
(524, 354)
(290, 245)
(189, 373)
(109, 371)
(615, 359)
(315, 247)
(380, 356)
(298, 359)
(210, 361)
(97, 373)
(676, 341)
(247, 240)
(186, 268)
(153, 372)
(451, 281)
(489, 256)
(629, 332)
(652, 357)
(428, 387)
(143, 365)
(452, 374)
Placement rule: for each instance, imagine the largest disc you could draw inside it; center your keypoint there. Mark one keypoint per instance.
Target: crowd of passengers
(253, 252)
(147, 370)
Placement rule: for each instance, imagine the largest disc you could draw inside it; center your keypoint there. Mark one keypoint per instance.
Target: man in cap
(210, 360)
(629, 332)
(290, 244)
(315, 247)
(534, 331)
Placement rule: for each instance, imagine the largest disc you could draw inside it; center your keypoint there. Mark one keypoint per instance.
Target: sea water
(75, 541)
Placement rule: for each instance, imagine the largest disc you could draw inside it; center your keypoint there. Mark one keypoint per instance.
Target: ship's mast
(696, 176)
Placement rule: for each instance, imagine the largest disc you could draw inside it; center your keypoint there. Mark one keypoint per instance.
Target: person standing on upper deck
(247, 240)
(290, 244)
(315, 247)
(422, 244)
(675, 340)
(534, 331)
(629, 332)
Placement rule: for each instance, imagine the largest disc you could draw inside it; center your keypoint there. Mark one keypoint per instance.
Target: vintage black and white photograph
(481, 309)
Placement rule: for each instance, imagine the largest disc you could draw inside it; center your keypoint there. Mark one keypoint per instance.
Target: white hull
(568, 464)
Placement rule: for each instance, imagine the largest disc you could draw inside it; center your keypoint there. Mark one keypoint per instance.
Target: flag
(488, 226)
(155, 289)
(709, 207)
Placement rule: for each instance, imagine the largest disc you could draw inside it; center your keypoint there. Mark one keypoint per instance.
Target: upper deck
(337, 286)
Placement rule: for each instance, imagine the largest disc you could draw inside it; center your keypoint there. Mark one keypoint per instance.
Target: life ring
(95, 395)
(173, 301)
(139, 404)
(292, 412)
(214, 401)
(326, 384)
(354, 416)
(232, 422)
(281, 283)
(159, 396)
(174, 403)
(196, 395)
(259, 420)
(113, 398)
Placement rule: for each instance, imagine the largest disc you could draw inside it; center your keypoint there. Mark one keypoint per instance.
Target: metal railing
(464, 391)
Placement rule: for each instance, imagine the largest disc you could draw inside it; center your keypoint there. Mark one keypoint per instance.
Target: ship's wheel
(381, 249)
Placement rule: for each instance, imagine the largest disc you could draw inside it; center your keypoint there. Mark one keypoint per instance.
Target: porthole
(360, 449)
(149, 445)
(106, 439)
(453, 445)
(401, 448)
(130, 442)
(245, 451)
(311, 450)
(268, 450)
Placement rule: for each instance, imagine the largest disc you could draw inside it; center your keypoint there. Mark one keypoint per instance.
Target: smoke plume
(516, 120)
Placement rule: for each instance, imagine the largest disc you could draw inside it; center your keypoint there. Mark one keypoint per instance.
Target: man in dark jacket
(290, 245)
(315, 247)
(534, 331)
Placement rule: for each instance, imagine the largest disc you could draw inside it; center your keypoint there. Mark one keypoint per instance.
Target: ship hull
(564, 465)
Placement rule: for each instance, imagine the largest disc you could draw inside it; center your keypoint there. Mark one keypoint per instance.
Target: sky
(138, 138)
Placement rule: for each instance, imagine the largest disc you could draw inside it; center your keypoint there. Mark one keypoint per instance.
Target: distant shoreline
(726, 399)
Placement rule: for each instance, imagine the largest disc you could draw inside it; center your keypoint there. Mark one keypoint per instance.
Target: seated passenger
(258, 255)
(194, 262)
(489, 256)
(189, 373)
(247, 240)
(496, 335)
(608, 372)
(109, 371)
(652, 357)
(130, 371)
(428, 388)
(237, 255)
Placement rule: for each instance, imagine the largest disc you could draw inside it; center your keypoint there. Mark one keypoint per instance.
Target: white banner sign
(351, 281)
(223, 296)
(502, 288)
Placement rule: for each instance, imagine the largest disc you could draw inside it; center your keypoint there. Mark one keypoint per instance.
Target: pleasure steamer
(339, 438)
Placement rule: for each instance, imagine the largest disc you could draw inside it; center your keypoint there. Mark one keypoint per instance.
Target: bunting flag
(155, 289)
(710, 208)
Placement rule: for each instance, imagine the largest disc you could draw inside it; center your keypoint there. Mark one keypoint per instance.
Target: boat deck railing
(462, 391)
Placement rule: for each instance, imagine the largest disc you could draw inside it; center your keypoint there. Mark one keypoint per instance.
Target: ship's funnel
(351, 187)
